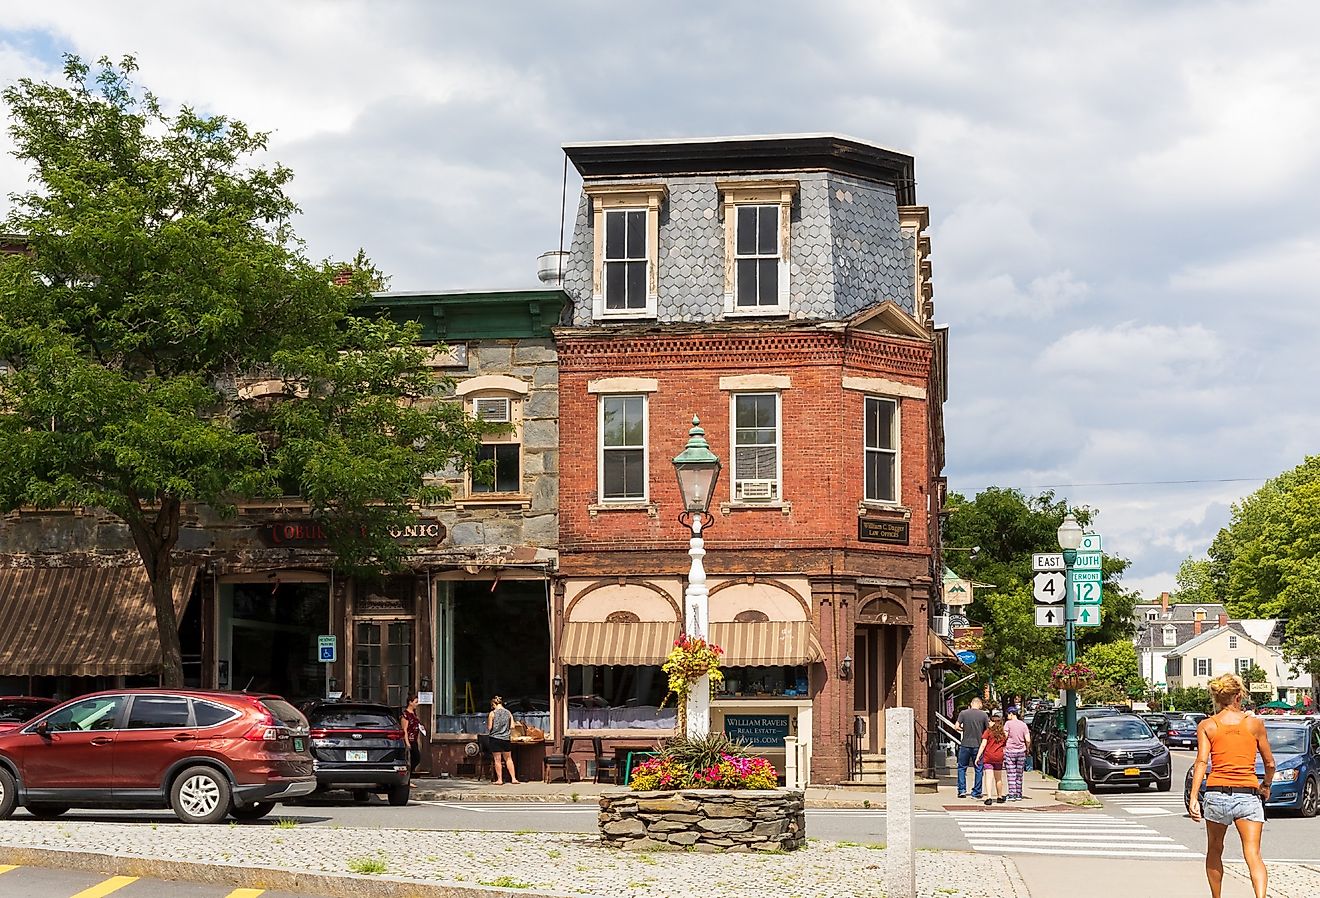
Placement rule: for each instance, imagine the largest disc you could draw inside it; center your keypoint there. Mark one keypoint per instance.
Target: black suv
(1121, 749)
(1051, 742)
(359, 746)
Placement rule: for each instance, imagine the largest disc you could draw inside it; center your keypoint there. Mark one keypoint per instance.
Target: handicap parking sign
(326, 648)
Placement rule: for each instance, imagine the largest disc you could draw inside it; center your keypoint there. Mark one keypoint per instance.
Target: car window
(285, 713)
(20, 711)
(208, 714)
(89, 714)
(1103, 729)
(158, 712)
(1286, 740)
(353, 719)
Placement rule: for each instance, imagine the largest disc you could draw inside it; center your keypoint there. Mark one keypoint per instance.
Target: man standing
(970, 725)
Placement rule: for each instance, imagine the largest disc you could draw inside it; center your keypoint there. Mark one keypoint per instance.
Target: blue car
(1295, 743)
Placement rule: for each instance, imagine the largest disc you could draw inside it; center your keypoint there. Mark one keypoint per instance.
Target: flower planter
(1071, 683)
(709, 820)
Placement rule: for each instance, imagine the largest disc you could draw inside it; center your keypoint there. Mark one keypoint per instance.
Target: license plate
(1132, 771)
(299, 744)
(355, 756)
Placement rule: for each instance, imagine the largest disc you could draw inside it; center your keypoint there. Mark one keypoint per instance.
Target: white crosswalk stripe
(1077, 835)
(1159, 805)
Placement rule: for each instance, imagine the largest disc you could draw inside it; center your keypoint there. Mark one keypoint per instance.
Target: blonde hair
(1226, 689)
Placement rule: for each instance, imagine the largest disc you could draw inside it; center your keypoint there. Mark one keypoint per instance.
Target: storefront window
(746, 682)
(383, 654)
(618, 697)
(493, 638)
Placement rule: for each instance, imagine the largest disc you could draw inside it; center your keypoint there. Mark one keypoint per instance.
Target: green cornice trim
(485, 314)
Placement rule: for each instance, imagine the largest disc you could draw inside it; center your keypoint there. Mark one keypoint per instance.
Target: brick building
(777, 288)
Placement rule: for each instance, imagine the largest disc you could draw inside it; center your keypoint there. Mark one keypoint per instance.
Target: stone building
(468, 619)
(779, 289)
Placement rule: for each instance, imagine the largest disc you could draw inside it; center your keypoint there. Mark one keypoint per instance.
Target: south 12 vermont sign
(1053, 578)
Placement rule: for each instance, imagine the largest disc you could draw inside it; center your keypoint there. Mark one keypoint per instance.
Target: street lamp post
(698, 469)
(1070, 538)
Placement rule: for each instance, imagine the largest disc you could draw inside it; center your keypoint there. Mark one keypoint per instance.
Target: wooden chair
(562, 761)
(608, 765)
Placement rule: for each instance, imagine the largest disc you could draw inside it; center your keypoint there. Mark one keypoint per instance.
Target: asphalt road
(25, 882)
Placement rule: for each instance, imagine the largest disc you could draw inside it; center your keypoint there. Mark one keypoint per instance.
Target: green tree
(1196, 584)
(1116, 666)
(1254, 674)
(161, 271)
(1007, 527)
(1267, 560)
(1189, 698)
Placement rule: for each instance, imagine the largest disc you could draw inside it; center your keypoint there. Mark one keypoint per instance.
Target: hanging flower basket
(689, 660)
(1071, 676)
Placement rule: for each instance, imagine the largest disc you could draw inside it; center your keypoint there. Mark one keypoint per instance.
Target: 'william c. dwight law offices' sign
(309, 533)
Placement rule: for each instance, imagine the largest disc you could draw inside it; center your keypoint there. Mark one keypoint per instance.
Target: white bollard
(900, 792)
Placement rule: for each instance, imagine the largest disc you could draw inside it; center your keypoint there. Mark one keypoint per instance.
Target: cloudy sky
(1123, 195)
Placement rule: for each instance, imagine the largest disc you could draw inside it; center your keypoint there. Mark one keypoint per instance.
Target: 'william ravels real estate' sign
(309, 533)
(757, 730)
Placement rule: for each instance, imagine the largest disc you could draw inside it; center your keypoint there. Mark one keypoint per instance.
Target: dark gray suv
(1121, 749)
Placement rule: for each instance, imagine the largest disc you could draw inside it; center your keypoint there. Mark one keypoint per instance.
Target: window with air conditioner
(623, 474)
(499, 458)
(756, 445)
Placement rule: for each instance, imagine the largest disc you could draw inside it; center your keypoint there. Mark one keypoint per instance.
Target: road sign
(327, 649)
(1048, 587)
(1088, 561)
(1049, 616)
(1048, 561)
(1088, 616)
(1090, 543)
(1087, 592)
(967, 657)
(1086, 576)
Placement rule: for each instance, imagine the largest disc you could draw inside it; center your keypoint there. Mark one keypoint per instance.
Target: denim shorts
(1224, 808)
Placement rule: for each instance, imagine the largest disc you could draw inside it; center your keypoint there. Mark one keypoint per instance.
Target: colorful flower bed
(731, 772)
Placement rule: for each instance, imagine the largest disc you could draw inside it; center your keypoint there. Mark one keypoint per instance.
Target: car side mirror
(42, 729)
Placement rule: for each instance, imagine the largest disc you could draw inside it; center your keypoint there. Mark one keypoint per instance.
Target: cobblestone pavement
(1286, 880)
(544, 861)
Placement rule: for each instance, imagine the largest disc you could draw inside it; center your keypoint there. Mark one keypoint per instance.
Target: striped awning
(766, 643)
(82, 622)
(938, 653)
(622, 642)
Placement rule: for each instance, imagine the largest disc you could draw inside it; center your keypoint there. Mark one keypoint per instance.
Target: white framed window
(1152, 614)
(757, 220)
(500, 453)
(1170, 636)
(623, 463)
(1202, 667)
(880, 449)
(1243, 665)
(1198, 614)
(1232, 641)
(626, 237)
(755, 447)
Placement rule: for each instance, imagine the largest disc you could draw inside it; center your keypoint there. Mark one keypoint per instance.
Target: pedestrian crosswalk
(1065, 833)
(1159, 804)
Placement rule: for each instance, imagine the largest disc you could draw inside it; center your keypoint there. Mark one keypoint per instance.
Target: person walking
(413, 731)
(1229, 742)
(990, 757)
(499, 728)
(1015, 752)
(971, 724)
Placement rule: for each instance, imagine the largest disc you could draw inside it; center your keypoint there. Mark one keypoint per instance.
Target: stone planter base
(704, 820)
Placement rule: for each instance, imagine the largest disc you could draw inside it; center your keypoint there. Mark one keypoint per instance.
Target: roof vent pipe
(550, 267)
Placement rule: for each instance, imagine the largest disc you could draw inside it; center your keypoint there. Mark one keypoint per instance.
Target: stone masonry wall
(703, 820)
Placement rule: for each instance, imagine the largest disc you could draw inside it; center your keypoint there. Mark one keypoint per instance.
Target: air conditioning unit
(494, 410)
(941, 622)
(756, 490)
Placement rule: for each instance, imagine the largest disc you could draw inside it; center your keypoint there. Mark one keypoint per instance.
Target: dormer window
(1170, 636)
(1152, 614)
(757, 215)
(1198, 614)
(626, 238)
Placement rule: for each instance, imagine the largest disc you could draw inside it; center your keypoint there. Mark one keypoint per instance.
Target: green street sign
(1086, 576)
(1090, 543)
(1088, 561)
(1086, 592)
(1088, 616)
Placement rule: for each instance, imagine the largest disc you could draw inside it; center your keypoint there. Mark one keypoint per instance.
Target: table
(626, 754)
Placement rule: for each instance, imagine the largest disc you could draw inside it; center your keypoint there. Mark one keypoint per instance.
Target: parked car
(1182, 731)
(16, 710)
(1295, 744)
(1043, 721)
(1054, 737)
(1157, 722)
(1121, 749)
(360, 746)
(204, 755)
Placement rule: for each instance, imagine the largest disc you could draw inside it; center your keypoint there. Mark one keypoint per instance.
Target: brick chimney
(1196, 627)
(1223, 619)
(1164, 602)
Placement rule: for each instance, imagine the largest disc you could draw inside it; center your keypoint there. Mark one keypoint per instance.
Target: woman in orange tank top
(1234, 794)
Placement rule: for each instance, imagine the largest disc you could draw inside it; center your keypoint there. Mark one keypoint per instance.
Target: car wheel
(361, 796)
(1310, 799)
(1164, 785)
(8, 794)
(400, 794)
(252, 811)
(200, 795)
(47, 811)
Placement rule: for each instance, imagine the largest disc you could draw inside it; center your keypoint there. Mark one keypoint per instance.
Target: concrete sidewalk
(1048, 876)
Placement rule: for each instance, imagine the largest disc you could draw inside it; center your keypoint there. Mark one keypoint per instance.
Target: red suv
(201, 754)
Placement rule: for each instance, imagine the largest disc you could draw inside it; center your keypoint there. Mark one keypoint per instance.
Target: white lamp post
(698, 469)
